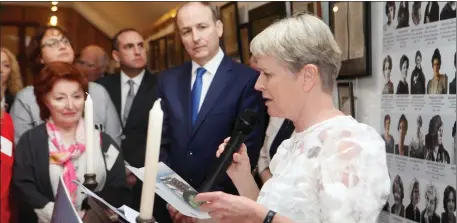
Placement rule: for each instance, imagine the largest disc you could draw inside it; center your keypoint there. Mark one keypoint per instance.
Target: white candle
(89, 130)
(151, 160)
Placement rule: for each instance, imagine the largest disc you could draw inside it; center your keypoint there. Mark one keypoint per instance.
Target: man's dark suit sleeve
(252, 99)
(165, 141)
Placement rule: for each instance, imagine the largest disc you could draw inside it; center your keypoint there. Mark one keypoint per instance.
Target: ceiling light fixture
(53, 20)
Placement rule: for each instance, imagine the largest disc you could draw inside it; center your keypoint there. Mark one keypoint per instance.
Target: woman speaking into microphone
(334, 168)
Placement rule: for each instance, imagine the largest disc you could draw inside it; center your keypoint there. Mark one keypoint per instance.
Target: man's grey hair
(299, 40)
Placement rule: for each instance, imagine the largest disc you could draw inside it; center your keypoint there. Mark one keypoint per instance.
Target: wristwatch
(269, 217)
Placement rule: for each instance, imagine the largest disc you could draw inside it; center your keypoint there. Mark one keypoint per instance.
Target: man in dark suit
(133, 92)
(202, 99)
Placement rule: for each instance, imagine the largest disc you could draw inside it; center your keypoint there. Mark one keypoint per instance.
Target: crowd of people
(310, 161)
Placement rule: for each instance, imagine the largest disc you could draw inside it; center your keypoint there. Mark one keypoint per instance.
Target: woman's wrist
(246, 186)
(260, 212)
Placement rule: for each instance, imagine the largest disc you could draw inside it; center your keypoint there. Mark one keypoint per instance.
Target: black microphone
(243, 127)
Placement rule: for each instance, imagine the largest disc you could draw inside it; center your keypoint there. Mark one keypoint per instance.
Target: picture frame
(346, 98)
(162, 42)
(265, 15)
(171, 50)
(153, 56)
(354, 44)
(313, 8)
(178, 49)
(244, 39)
(231, 34)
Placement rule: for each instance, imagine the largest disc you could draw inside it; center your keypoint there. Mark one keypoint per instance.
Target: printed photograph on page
(179, 186)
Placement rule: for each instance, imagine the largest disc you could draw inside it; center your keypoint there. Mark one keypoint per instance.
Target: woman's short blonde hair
(14, 83)
(431, 193)
(299, 40)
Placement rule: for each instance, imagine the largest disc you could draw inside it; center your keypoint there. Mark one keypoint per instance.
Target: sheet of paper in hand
(174, 190)
(103, 204)
(64, 211)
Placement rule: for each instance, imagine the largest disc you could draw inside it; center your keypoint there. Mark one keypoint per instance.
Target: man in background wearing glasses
(94, 61)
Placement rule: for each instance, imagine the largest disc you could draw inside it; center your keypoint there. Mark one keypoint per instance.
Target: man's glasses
(54, 43)
(84, 63)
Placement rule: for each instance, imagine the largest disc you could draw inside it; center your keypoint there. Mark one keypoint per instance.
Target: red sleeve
(6, 162)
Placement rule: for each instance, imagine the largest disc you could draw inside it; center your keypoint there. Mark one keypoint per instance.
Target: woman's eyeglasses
(54, 43)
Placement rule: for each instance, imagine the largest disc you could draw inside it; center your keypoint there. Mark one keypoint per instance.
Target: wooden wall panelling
(11, 13)
(80, 31)
(37, 14)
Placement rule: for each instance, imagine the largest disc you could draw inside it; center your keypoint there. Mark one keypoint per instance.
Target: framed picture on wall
(154, 56)
(350, 24)
(171, 50)
(263, 16)
(231, 34)
(244, 36)
(162, 53)
(346, 98)
(308, 7)
(178, 55)
(151, 58)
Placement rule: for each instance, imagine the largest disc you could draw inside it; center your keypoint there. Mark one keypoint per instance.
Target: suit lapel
(185, 95)
(221, 79)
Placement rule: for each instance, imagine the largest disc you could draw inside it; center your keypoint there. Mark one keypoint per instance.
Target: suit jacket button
(190, 153)
(122, 137)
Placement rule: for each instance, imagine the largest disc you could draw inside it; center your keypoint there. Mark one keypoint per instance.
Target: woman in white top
(333, 169)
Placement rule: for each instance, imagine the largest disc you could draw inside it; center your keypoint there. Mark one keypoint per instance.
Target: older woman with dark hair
(57, 148)
(438, 84)
(401, 148)
(387, 69)
(402, 87)
(412, 211)
(448, 215)
(431, 203)
(435, 150)
(399, 193)
(334, 168)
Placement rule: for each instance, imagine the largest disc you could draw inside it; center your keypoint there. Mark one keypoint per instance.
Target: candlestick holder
(90, 182)
(140, 220)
